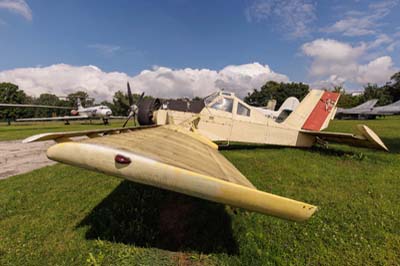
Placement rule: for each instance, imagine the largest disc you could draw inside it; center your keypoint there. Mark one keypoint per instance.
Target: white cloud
(377, 71)
(335, 62)
(330, 82)
(17, 6)
(294, 16)
(359, 23)
(62, 79)
(105, 49)
(332, 50)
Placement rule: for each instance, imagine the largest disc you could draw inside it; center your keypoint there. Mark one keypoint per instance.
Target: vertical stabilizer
(78, 102)
(315, 111)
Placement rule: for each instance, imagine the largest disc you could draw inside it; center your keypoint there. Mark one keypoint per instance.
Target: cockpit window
(243, 110)
(223, 104)
(210, 98)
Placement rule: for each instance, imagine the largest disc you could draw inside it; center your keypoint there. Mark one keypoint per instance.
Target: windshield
(210, 98)
(223, 104)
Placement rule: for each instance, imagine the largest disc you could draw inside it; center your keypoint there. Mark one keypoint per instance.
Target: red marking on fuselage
(321, 111)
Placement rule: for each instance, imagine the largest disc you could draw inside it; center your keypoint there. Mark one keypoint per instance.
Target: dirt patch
(18, 158)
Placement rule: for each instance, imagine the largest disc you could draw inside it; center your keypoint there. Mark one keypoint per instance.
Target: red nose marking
(122, 159)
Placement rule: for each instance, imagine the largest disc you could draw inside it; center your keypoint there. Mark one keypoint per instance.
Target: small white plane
(95, 112)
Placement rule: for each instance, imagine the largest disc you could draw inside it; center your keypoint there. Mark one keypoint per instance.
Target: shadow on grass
(330, 151)
(393, 144)
(150, 217)
(236, 146)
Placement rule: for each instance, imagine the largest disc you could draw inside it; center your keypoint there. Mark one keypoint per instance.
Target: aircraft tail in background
(79, 104)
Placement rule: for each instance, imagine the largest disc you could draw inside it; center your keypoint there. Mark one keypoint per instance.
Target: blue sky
(323, 43)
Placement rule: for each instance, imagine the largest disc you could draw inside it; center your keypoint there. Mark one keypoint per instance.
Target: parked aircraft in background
(357, 112)
(390, 109)
(288, 106)
(81, 113)
(176, 150)
(368, 110)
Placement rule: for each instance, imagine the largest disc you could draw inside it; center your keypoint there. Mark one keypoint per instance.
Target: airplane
(368, 110)
(390, 109)
(95, 112)
(177, 150)
(358, 112)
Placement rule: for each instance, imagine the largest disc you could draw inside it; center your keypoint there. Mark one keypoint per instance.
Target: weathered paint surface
(152, 172)
(321, 111)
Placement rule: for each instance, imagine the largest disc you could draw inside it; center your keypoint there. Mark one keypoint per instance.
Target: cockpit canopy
(225, 101)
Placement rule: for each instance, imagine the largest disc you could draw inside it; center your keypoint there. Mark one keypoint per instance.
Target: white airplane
(95, 112)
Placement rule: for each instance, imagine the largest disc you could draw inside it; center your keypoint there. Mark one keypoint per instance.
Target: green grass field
(61, 215)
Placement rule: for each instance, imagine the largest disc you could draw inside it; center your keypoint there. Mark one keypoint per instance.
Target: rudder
(314, 111)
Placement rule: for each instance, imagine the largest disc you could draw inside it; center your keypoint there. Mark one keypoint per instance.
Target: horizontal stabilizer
(365, 137)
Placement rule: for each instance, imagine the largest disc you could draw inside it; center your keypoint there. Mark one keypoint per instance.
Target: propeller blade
(129, 117)
(140, 99)
(130, 98)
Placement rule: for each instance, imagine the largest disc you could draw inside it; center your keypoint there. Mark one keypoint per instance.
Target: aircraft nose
(108, 113)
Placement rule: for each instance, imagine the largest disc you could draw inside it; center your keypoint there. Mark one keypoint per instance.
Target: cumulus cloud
(376, 71)
(335, 62)
(17, 6)
(294, 16)
(62, 79)
(330, 82)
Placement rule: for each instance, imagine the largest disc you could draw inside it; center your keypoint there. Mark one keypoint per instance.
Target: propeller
(133, 107)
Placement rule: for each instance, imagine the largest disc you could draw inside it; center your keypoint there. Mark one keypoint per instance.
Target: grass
(62, 215)
(24, 130)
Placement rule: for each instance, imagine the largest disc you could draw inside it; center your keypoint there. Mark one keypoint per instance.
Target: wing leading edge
(176, 159)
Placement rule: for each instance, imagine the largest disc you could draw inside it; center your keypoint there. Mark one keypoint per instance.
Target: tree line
(10, 93)
(386, 94)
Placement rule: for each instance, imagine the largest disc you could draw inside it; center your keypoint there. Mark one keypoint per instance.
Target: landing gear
(105, 121)
(66, 122)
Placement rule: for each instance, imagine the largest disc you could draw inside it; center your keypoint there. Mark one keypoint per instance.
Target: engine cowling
(146, 109)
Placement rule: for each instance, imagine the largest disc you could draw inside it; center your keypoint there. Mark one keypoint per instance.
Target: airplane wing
(56, 118)
(7, 105)
(172, 158)
(365, 137)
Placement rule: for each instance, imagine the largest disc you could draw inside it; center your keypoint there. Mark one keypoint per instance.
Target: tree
(48, 99)
(372, 91)
(393, 87)
(120, 104)
(278, 91)
(10, 93)
(86, 101)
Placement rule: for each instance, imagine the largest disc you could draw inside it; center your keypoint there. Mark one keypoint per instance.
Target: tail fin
(315, 111)
(290, 104)
(78, 102)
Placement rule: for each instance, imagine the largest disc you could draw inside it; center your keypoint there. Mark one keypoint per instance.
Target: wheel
(146, 109)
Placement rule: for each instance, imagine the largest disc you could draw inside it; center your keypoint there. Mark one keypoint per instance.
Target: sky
(186, 48)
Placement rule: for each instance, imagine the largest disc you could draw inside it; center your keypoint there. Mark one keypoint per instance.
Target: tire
(146, 109)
